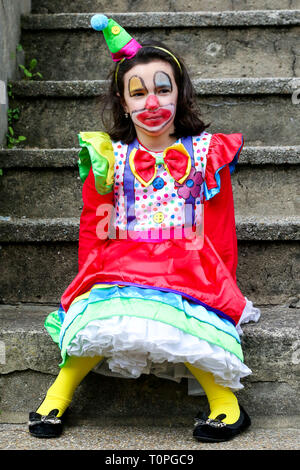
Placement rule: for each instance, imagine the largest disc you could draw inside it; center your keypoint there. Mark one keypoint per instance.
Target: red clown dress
(156, 285)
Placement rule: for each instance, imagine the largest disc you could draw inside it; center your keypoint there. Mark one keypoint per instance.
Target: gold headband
(170, 53)
(155, 47)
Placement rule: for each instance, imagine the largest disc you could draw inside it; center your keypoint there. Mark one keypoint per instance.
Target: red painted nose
(152, 102)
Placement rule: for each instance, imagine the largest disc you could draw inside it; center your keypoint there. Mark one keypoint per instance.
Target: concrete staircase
(244, 61)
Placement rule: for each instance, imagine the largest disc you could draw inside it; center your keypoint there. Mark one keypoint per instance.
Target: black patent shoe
(46, 426)
(215, 430)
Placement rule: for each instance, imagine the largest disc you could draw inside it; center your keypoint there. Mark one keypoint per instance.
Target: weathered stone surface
(56, 158)
(36, 272)
(76, 6)
(166, 19)
(47, 193)
(209, 86)
(272, 346)
(63, 229)
(27, 343)
(147, 400)
(268, 272)
(67, 158)
(217, 51)
(56, 192)
(10, 32)
(267, 228)
(256, 191)
(23, 230)
(251, 115)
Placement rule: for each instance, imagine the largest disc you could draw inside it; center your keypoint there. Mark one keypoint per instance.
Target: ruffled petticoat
(146, 331)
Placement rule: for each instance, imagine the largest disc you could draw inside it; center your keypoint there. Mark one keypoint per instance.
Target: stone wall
(10, 31)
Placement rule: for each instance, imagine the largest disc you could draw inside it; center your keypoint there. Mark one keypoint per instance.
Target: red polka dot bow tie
(175, 159)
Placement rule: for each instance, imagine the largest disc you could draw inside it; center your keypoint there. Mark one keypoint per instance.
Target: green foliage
(13, 115)
(29, 72)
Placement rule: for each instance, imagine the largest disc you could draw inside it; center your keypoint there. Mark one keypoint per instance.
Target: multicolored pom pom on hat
(120, 44)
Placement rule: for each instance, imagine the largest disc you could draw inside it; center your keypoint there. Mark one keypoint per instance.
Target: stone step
(68, 158)
(213, 44)
(77, 6)
(39, 258)
(203, 86)
(66, 229)
(51, 177)
(231, 105)
(29, 363)
(166, 19)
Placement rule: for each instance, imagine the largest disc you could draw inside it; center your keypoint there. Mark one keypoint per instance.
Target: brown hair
(187, 120)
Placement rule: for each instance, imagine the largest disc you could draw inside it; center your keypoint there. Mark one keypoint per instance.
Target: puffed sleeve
(97, 152)
(224, 150)
(219, 217)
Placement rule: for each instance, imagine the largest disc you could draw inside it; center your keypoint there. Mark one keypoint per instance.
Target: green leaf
(27, 73)
(22, 67)
(33, 64)
(11, 131)
(39, 75)
(19, 48)
(1, 172)
(22, 138)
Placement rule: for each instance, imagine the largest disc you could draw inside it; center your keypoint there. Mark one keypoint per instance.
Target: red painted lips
(154, 118)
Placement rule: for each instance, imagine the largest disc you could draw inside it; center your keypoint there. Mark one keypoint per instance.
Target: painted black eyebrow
(137, 89)
(166, 82)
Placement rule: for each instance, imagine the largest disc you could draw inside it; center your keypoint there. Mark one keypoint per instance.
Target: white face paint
(150, 96)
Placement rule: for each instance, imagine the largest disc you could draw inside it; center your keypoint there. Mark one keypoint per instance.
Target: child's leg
(60, 393)
(221, 399)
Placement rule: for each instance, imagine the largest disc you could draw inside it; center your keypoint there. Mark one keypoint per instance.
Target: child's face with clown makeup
(150, 97)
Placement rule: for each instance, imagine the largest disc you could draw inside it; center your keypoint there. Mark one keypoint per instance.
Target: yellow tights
(221, 399)
(59, 396)
(60, 393)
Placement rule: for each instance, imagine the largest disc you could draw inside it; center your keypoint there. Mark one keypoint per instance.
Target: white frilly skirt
(142, 331)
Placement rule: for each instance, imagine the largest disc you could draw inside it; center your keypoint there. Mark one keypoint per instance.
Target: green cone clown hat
(120, 44)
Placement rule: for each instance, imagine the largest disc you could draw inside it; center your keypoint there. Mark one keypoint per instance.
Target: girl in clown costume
(156, 289)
